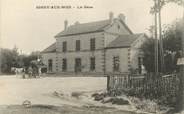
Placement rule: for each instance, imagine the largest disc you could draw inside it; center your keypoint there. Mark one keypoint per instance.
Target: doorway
(50, 62)
(78, 65)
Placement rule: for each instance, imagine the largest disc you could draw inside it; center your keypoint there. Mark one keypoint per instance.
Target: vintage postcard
(91, 56)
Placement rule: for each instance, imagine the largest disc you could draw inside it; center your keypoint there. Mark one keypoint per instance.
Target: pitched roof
(125, 25)
(84, 28)
(123, 41)
(50, 49)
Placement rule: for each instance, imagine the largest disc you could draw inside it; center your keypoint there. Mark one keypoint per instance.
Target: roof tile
(84, 28)
(51, 48)
(123, 41)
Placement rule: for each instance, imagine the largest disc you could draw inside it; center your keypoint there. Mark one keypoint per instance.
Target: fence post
(108, 82)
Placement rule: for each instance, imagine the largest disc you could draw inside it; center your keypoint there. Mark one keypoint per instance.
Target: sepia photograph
(91, 57)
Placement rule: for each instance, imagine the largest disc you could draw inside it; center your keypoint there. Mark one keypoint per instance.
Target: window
(116, 63)
(139, 65)
(64, 66)
(50, 65)
(78, 65)
(92, 63)
(77, 45)
(64, 46)
(92, 44)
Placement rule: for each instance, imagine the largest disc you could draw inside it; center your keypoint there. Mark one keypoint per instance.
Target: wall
(114, 28)
(109, 37)
(85, 59)
(123, 55)
(85, 53)
(84, 40)
(112, 32)
(46, 57)
(135, 51)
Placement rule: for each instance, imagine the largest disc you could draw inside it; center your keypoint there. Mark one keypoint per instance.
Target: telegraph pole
(159, 52)
(182, 71)
(156, 38)
(160, 39)
(157, 12)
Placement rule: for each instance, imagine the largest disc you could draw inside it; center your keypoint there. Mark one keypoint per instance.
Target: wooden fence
(146, 86)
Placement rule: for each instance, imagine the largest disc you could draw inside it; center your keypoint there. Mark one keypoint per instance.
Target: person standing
(23, 73)
(39, 71)
(30, 71)
(35, 72)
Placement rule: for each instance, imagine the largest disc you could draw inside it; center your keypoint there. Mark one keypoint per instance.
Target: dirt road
(48, 109)
(14, 90)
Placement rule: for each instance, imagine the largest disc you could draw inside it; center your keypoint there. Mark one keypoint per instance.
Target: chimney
(122, 17)
(66, 24)
(111, 17)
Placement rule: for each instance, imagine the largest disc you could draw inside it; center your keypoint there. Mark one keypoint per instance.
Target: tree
(148, 51)
(8, 60)
(164, 3)
(156, 10)
(28, 58)
(172, 35)
(172, 45)
(11, 58)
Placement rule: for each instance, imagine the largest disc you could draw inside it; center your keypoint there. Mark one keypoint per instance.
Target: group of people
(32, 72)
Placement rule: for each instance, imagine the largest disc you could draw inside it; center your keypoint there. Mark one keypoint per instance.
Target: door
(50, 65)
(78, 65)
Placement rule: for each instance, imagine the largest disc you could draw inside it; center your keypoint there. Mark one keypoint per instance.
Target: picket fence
(140, 85)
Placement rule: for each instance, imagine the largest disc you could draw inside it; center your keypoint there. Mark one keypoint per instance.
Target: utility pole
(159, 52)
(182, 69)
(156, 38)
(162, 68)
(157, 12)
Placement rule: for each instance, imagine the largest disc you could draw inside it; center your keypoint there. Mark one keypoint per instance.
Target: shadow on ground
(50, 109)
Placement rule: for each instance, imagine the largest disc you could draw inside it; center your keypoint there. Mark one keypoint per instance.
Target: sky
(31, 29)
